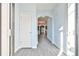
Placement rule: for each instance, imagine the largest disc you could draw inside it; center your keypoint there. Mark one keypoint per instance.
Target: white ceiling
(45, 6)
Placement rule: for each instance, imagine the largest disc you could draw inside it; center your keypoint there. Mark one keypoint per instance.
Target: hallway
(22, 28)
(45, 48)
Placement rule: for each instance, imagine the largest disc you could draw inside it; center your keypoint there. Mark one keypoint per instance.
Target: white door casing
(71, 30)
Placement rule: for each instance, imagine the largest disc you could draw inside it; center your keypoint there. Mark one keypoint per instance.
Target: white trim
(5, 29)
(34, 46)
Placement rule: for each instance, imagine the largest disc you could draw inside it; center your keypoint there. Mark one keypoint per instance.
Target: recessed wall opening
(42, 25)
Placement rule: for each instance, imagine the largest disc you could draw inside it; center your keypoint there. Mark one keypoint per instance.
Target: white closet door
(25, 30)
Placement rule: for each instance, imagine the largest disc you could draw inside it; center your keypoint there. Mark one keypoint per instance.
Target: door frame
(12, 12)
(11, 28)
(0, 29)
(77, 30)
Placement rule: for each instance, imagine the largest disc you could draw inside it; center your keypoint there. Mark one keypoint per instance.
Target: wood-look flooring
(45, 48)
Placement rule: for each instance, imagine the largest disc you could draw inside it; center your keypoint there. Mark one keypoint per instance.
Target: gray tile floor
(45, 48)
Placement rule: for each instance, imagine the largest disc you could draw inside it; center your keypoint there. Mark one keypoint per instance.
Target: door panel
(25, 30)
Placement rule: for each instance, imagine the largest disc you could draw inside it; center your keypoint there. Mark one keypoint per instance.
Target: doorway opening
(45, 34)
(44, 27)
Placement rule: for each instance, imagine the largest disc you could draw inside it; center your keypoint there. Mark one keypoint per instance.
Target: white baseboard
(56, 45)
(49, 39)
(53, 42)
(34, 46)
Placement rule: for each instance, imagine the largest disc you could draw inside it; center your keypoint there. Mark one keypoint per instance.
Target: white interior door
(71, 30)
(25, 30)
